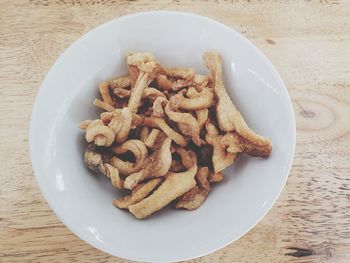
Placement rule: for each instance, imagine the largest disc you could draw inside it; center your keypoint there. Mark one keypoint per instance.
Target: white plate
(83, 201)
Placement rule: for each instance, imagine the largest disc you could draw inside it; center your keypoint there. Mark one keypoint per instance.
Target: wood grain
(308, 41)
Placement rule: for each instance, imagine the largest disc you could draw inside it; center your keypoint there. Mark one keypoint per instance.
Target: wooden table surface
(308, 42)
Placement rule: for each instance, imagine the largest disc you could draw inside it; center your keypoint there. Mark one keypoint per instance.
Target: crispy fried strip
(147, 67)
(104, 90)
(138, 194)
(203, 101)
(183, 73)
(138, 149)
(157, 108)
(122, 93)
(121, 124)
(103, 105)
(156, 165)
(161, 124)
(221, 158)
(152, 137)
(122, 82)
(112, 173)
(229, 118)
(186, 122)
(94, 162)
(194, 198)
(175, 185)
(186, 159)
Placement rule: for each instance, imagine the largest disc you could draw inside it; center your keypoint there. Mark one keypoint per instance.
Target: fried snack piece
(158, 107)
(186, 122)
(121, 124)
(194, 198)
(215, 177)
(94, 161)
(202, 101)
(138, 194)
(186, 157)
(202, 115)
(161, 124)
(200, 81)
(156, 165)
(122, 82)
(152, 138)
(175, 185)
(98, 133)
(104, 90)
(145, 67)
(138, 149)
(236, 143)
(229, 118)
(106, 118)
(150, 93)
(187, 74)
(221, 158)
(103, 105)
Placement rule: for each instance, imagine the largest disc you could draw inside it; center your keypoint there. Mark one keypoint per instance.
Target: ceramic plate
(83, 201)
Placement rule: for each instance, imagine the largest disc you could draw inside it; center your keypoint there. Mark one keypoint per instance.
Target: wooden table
(309, 43)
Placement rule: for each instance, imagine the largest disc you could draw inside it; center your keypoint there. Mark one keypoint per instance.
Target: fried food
(166, 134)
(139, 151)
(175, 185)
(138, 194)
(197, 195)
(229, 118)
(221, 158)
(155, 165)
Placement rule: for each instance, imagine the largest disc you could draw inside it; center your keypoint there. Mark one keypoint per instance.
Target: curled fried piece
(187, 123)
(156, 165)
(202, 115)
(161, 124)
(229, 118)
(194, 198)
(94, 162)
(121, 124)
(158, 105)
(221, 158)
(104, 90)
(98, 133)
(152, 138)
(138, 194)
(106, 118)
(138, 149)
(203, 101)
(145, 66)
(175, 185)
(112, 173)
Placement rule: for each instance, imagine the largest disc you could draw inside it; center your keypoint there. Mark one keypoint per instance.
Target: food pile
(166, 134)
